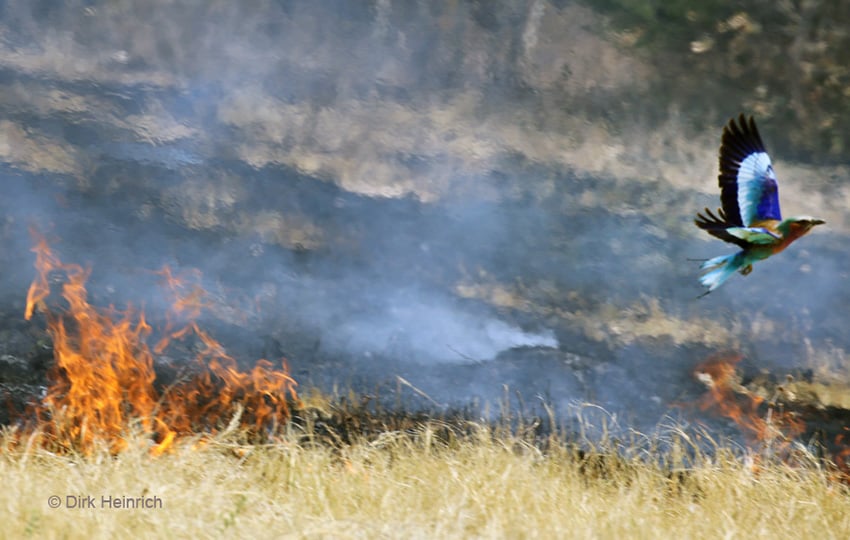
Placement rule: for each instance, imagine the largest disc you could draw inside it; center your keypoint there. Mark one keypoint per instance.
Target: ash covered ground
(470, 199)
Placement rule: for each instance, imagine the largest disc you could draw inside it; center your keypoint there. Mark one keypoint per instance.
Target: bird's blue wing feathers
(749, 191)
(758, 195)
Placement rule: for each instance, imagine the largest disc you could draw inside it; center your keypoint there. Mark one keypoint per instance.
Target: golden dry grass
(477, 482)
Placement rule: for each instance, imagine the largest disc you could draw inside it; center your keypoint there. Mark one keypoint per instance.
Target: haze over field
(466, 194)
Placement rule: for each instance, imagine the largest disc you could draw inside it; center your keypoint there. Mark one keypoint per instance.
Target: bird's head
(798, 226)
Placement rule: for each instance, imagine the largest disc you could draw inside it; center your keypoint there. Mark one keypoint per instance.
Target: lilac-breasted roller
(750, 216)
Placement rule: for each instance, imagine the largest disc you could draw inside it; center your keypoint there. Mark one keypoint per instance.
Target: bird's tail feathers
(719, 269)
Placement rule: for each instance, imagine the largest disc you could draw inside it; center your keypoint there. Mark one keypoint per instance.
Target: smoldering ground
(385, 189)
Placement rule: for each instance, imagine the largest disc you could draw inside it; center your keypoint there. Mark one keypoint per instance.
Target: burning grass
(102, 384)
(220, 452)
(344, 471)
(773, 419)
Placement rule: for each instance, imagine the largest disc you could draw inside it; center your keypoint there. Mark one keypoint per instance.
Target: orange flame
(841, 455)
(761, 422)
(758, 420)
(102, 382)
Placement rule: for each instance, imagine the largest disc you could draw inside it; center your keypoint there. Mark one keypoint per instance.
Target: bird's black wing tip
(743, 134)
(711, 220)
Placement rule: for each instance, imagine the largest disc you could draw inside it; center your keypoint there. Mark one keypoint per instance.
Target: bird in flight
(749, 217)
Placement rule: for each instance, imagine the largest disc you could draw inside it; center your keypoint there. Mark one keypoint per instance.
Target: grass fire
(348, 467)
(465, 229)
(756, 416)
(103, 383)
(776, 420)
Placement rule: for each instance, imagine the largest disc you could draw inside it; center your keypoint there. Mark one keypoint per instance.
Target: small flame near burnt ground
(102, 383)
(760, 421)
(770, 426)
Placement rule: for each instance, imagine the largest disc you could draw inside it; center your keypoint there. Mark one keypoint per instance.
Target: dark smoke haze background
(473, 196)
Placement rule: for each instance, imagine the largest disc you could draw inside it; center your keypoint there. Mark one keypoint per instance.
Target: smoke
(429, 189)
(424, 328)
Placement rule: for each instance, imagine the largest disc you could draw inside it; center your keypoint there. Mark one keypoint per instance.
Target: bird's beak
(817, 222)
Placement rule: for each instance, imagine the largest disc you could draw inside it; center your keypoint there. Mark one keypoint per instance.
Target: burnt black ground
(584, 287)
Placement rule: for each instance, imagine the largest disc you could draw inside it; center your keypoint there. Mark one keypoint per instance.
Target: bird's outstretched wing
(717, 225)
(748, 189)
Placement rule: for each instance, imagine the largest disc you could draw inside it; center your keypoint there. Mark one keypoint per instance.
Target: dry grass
(431, 479)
